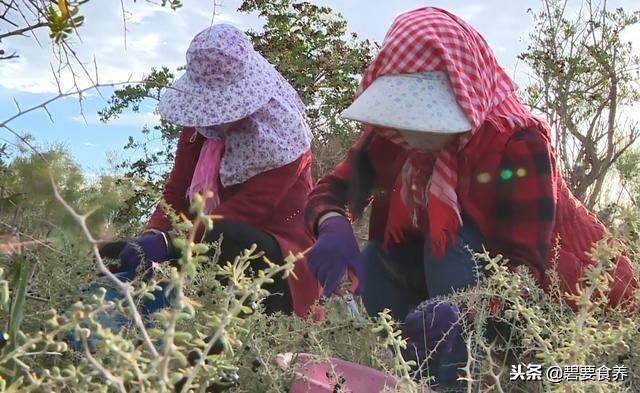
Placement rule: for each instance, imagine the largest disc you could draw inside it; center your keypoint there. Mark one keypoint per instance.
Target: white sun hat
(226, 80)
(422, 102)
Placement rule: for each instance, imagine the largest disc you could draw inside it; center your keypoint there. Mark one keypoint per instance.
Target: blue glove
(335, 250)
(433, 322)
(150, 247)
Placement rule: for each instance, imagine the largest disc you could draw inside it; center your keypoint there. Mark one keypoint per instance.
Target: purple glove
(335, 250)
(147, 248)
(427, 325)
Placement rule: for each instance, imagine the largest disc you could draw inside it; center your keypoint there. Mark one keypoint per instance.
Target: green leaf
(23, 271)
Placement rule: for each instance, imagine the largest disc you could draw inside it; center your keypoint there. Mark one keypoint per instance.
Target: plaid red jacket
(508, 188)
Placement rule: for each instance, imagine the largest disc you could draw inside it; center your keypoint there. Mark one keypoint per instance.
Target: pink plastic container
(321, 376)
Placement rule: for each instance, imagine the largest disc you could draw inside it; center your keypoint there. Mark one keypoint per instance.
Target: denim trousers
(406, 274)
(113, 319)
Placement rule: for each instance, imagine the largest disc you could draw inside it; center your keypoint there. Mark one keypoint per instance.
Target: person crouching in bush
(246, 139)
(448, 159)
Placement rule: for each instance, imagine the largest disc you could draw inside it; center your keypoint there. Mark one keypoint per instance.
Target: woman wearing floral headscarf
(244, 138)
(448, 158)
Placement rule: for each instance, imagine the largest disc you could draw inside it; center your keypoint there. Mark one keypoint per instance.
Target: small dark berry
(217, 347)
(179, 385)
(255, 365)
(252, 307)
(193, 357)
(4, 339)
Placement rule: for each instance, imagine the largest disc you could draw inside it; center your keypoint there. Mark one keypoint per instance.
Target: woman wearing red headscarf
(448, 158)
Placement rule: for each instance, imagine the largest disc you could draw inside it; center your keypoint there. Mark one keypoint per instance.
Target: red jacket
(271, 201)
(507, 188)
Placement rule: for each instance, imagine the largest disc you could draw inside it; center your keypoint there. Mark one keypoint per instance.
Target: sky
(158, 36)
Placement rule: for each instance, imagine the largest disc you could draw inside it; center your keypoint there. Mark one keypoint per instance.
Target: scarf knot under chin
(424, 199)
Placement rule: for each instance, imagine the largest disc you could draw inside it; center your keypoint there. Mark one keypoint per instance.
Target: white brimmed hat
(226, 80)
(422, 102)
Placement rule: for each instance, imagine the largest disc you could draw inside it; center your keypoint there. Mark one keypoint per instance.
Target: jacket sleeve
(175, 190)
(524, 202)
(330, 192)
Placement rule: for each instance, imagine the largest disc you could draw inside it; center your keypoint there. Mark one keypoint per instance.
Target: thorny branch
(112, 378)
(102, 268)
(22, 30)
(43, 106)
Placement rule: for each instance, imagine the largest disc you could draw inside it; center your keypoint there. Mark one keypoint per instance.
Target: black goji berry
(193, 357)
(179, 385)
(217, 346)
(4, 339)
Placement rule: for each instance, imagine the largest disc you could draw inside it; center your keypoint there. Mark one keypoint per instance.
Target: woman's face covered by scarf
(427, 141)
(218, 130)
(224, 127)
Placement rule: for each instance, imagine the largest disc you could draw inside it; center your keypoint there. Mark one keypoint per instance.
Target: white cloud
(159, 36)
(632, 34)
(125, 119)
(142, 14)
(17, 74)
(471, 11)
(155, 36)
(90, 144)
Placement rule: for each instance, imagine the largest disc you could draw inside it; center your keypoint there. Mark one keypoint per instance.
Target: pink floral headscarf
(273, 136)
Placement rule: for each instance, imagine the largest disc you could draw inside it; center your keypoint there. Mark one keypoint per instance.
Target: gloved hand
(434, 322)
(335, 250)
(150, 247)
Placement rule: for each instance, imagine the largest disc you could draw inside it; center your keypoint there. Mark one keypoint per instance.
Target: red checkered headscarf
(432, 39)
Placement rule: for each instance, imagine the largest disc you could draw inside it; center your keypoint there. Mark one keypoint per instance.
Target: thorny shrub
(215, 336)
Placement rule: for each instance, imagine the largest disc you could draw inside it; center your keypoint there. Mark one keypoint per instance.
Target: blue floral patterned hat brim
(422, 102)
